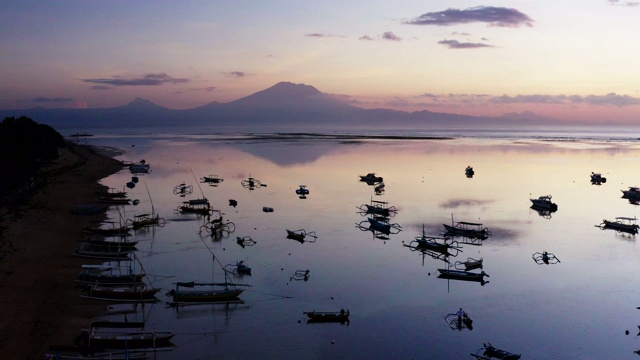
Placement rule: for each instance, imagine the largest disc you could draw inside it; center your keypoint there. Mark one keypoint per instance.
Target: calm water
(579, 308)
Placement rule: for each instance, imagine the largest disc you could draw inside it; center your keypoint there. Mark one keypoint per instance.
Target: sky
(573, 60)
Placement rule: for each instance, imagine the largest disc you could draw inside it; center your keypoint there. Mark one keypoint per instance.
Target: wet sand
(40, 303)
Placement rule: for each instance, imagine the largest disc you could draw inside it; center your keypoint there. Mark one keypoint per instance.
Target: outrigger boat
(99, 242)
(624, 224)
(327, 316)
(213, 180)
(381, 224)
(435, 244)
(371, 178)
(117, 335)
(376, 207)
(107, 275)
(139, 167)
(85, 250)
(143, 220)
(302, 190)
(467, 229)
(462, 275)
(459, 322)
(469, 264)
(544, 202)
(491, 352)
(300, 235)
(195, 206)
(95, 227)
(123, 293)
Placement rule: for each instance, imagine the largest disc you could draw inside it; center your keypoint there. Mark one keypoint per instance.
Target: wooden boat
(121, 335)
(462, 275)
(632, 193)
(491, 352)
(125, 293)
(112, 193)
(139, 167)
(382, 225)
(469, 171)
(104, 244)
(380, 208)
(111, 228)
(302, 190)
(598, 178)
(469, 264)
(195, 206)
(107, 275)
(327, 316)
(114, 200)
(467, 229)
(431, 243)
(300, 235)
(186, 293)
(544, 202)
(371, 178)
(90, 252)
(84, 353)
(211, 179)
(458, 323)
(625, 224)
(143, 220)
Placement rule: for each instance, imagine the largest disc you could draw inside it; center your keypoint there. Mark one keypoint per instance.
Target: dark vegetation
(25, 146)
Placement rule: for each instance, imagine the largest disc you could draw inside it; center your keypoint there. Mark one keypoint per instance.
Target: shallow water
(576, 309)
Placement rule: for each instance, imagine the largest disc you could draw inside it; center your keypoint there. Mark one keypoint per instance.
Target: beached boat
(632, 193)
(462, 275)
(597, 178)
(106, 228)
(327, 316)
(107, 275)
(121, 335)
(544, 202)
(124, 293)
(491, 352)
(371, 178)
(467, 229)
(469, 171)
(625, 224)
(86, 250)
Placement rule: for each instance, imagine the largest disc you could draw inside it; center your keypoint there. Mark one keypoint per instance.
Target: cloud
(389, 35)
(235, 74)
(318, 35)
(455, 44)
(100, 87)
(365, 37)
(494, 16)
(145, 80)
(44, 99)
(611, 99)
(623, 3)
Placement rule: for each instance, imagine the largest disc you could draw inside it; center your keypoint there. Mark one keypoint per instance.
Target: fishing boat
(211, 179)
(597, 178)
(121, 335)
(377, 207)
(462, 275)
(469, 264)
(491, 352)
(107, 275)
(469, 171)
(106, 228)
(632, 193)
(459, 322)
(625, 224)
(300, 235)
(99, 242)
(55, 352)
(139, 167)
(327, 316)
(302, 190)
(195, 206)
(371, 178)
(88, 251)
(381, 224)
(114, 200)
(143, 220)
(112, 193)
(123, 293)
(544, 202)
(467, 229)
(379, 188)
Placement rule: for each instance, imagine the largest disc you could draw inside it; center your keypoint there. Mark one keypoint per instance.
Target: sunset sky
(571, 60)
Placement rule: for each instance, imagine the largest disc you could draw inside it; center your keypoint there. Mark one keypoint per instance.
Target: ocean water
(579, 308)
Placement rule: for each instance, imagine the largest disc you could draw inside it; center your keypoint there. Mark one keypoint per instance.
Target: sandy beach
(40, 303)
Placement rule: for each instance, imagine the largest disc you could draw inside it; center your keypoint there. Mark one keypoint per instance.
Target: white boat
(544, 202)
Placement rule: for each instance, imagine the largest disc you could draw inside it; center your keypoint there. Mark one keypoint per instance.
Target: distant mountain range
(282, 104)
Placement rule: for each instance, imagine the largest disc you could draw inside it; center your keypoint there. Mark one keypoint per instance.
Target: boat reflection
(301, 235)
(463, 275)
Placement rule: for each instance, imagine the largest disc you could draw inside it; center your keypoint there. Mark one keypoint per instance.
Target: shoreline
(41, 305)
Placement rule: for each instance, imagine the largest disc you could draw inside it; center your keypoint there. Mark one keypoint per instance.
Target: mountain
(285, 103)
